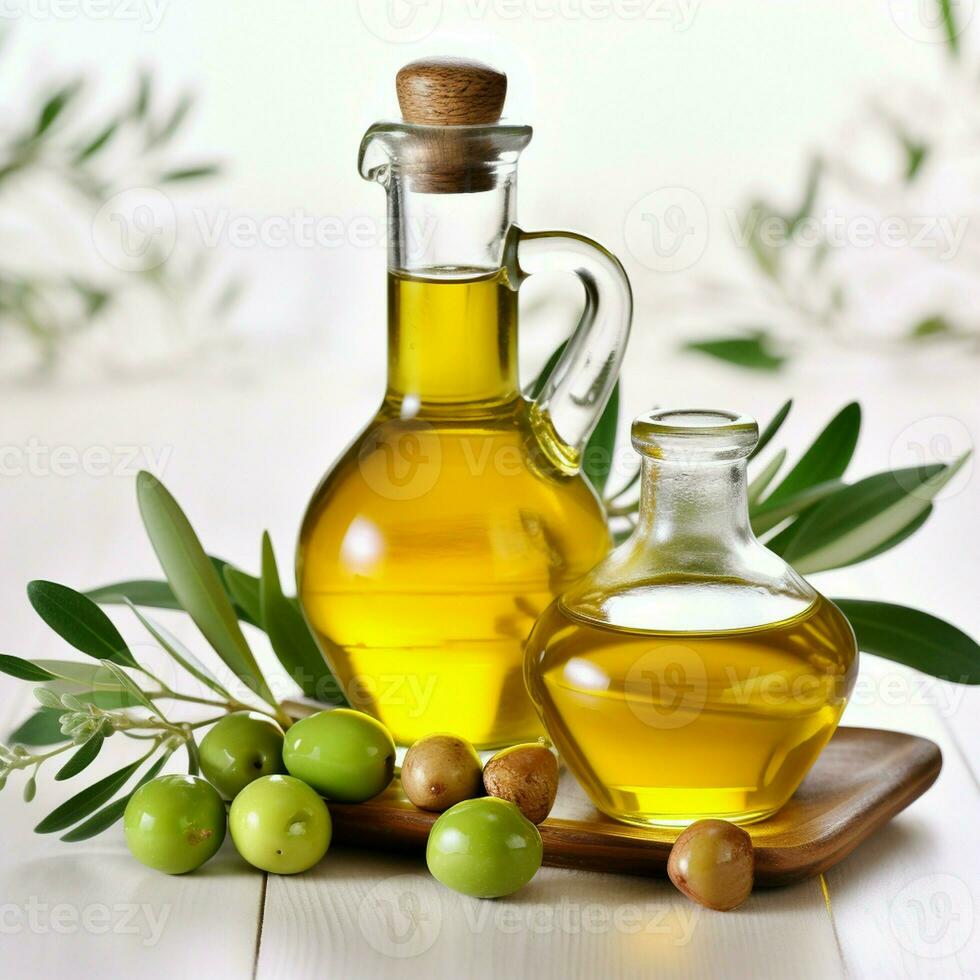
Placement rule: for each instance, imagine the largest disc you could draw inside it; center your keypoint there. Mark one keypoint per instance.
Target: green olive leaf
(41, 728)
(291, 638)
(951, 28)
(597, 457)
(826, 460)
(179, 652)
(758, 485)
(190, 173)
(141, 592)
(771, 429)
(914, 638)
(79, 621)
(90, 683)
(96, 143)
(153, 593)
(132, 689)
(860, 520)
(195, 582)
(87, 676)
(54, 106)
(141, 101)
(162, 133)
(769, 514)
(244, 588)
(89, 799)
(82, 758)
(23, 669)
(755, 351)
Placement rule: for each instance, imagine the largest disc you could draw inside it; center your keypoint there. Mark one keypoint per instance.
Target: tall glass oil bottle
(692, 673)
(459, 512)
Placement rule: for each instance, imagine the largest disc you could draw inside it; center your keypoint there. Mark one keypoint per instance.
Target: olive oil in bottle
(692, 673)
(440, 535)
(672, 727)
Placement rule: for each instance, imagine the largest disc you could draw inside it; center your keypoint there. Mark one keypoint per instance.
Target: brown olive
(713, 863)
(439, 771)
(526, 775)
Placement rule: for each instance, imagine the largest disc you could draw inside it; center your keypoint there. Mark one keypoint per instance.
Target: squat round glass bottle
(692, 673)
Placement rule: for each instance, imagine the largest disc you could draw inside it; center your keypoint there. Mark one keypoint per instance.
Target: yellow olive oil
(442, 533)
(672, 727)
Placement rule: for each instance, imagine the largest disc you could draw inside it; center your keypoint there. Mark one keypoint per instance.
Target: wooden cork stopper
(450, 92)
(445, 93)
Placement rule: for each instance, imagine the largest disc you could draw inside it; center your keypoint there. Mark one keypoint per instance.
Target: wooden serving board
(861, 780)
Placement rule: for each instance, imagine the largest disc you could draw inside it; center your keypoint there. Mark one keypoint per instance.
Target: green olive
(175, 823)
(713, 863)
(345, 755)
(239, 749)
(440, 771)
(280, 825)
(485, 848)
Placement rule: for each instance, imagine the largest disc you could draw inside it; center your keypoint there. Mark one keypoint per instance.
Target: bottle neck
(700, 507)
(452, 314)
(452, 343)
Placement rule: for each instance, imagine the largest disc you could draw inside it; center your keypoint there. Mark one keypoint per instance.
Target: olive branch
(93, 157)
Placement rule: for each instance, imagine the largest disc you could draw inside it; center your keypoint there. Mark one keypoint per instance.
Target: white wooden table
(243, 453)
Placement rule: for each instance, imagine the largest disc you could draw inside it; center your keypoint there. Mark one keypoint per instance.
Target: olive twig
(229, 705)
(18, 757)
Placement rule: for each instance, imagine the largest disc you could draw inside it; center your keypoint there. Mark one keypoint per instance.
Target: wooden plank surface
(366, 915)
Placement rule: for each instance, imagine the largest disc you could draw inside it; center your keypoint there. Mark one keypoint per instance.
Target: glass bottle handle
(576, 391)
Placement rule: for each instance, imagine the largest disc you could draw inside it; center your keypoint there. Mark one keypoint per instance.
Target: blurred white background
(638, 108)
